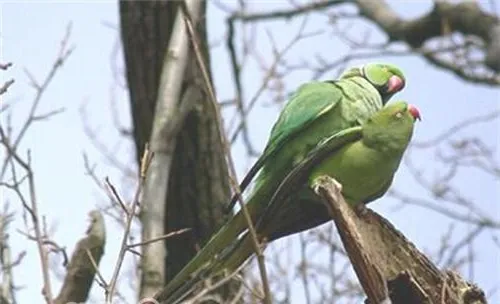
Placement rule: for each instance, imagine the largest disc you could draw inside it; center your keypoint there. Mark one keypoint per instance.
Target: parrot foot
(317, 183)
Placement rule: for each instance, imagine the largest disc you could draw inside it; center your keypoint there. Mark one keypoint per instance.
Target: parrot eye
(399, 115)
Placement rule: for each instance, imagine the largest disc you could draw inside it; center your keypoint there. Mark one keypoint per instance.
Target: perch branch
(368, 273)
(371, 240)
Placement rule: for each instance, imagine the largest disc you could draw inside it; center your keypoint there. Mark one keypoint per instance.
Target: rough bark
(198, 184)
(387, 264)
(81, 272)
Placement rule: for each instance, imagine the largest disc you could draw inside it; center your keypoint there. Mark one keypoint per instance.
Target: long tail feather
(203, 263)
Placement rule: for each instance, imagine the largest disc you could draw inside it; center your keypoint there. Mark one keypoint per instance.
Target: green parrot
(363, 159)
(327, 107)
(315, 111)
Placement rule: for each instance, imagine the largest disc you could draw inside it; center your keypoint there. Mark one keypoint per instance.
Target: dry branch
(193, 200)
(31, 207)
(288, 13)
(7, 264)
(480, 29)
(368, 273)
(465, 17)
(7, 84)
(81, 271)
(14, 161)
(130, 212)
(196, 44)
(40, 89)
(410, 276)
(386, 263)
(155, 188)
(208, 86)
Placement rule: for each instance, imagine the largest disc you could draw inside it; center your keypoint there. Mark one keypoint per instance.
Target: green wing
(309, 102)
(269, 222)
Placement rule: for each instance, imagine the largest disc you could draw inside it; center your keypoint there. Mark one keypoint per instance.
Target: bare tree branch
(465, 17)
(130, 212)
(31, 205)
(80, 269)
(7, 264)
(155, 188)
(40, 89)
(6, 86)
(289, 13)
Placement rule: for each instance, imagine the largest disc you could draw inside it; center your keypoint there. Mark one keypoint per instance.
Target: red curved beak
(395, 84)
(414, 112)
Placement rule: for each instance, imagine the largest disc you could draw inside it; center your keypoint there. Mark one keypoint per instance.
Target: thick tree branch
(444, 19)
(466, 18)
(155, 188)
(191, 143)
(411, 277)
(368, 273)
(195, 41)
(80, 270)
(380, 254)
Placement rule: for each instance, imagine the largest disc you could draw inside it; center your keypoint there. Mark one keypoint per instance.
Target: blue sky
(31, 33)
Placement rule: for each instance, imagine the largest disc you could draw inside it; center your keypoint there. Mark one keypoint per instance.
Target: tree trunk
(198, 185)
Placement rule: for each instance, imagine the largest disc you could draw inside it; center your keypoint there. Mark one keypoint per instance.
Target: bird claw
(338, 185)
(319, 180)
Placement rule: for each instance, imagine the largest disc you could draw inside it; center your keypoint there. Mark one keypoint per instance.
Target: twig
(236, 69)
(117, 198)
(269, 75)
(130, 213)
(465, 218)
(218, 284)
(103, 149)
(101, 281)
(40, 89)
(34, 215)
(456, 128)
(160, 238)
(234, 184)
(288, 13)
(6, 86)
(419, 30)
(6, 263)
(5, 66)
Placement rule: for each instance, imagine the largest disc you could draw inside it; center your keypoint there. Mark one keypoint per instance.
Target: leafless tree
(183, 170)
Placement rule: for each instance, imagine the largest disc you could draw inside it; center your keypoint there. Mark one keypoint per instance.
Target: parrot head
(386, 78)
(393, 124)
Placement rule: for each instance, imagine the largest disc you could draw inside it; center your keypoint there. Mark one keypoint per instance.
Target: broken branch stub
(385, 261)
